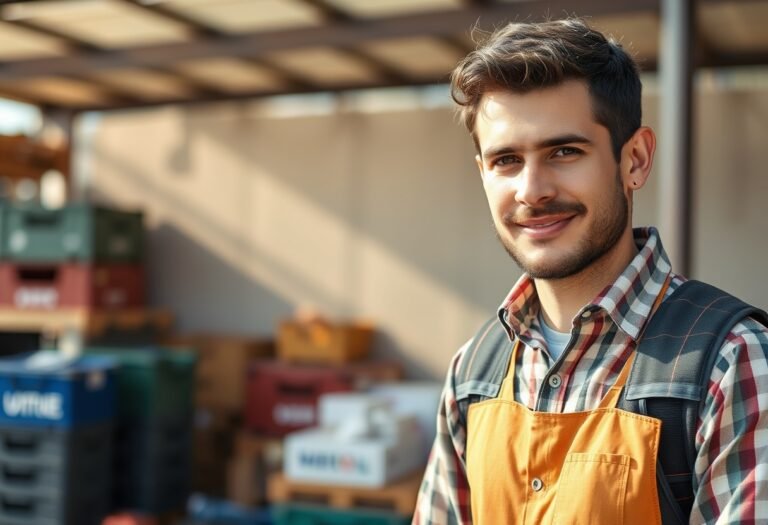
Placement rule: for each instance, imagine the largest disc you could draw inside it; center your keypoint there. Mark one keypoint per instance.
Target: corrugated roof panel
(103, 22)
(149, 85)
(17, 43)
(735, 27)
(419, 57)
(381, 8)
(66, 92)
(325, 66)
(249, 15)
(232, 75)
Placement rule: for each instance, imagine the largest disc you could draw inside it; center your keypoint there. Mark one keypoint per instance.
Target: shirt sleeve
(731, 470)
(444, 494)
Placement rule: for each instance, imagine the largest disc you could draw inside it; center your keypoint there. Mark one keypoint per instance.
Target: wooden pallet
(399, 496)
(92, 323)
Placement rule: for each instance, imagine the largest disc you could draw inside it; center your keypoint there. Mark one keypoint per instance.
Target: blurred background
(220, 214)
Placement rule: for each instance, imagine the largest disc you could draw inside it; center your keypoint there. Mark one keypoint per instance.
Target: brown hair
(522, 57)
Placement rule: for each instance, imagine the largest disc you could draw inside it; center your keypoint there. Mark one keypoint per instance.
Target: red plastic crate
(281, 397)
(48, 287)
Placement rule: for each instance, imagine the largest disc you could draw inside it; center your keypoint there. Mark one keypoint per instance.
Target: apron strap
(611, 398)
(507, 390)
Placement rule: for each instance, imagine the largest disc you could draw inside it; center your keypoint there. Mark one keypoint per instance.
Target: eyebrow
(560, 140)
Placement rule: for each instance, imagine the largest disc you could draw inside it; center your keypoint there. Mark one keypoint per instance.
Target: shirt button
(555, 381)
(537, 484)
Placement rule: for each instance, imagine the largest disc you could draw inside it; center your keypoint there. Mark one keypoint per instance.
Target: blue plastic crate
(46, 389)
(203, 510)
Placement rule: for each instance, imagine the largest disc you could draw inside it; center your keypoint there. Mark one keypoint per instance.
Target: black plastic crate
(54, 447)
(87, 505)
(153, 465)
(55, 476)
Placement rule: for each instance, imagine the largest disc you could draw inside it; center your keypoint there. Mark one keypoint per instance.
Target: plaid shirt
(732, 435)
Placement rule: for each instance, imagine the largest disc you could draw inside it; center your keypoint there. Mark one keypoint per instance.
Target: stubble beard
(606, 230)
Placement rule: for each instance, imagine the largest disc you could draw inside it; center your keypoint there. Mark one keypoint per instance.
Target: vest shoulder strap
(670, 377)
(484, 364)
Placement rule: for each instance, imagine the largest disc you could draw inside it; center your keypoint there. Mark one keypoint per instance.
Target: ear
(637, 158)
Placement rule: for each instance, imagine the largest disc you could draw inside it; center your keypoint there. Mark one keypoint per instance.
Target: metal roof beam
(334, 15)
(78, 46)
(258, 94)
(339, 34)
(201, 31)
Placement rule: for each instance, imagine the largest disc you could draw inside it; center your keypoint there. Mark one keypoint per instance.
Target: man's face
(555, 190)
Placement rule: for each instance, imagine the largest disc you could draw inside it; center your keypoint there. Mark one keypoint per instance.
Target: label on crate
(33, 404)
(36, 298)
(323, 461)
(293, 415)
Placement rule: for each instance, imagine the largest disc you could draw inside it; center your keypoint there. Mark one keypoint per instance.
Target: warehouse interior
(310, 219)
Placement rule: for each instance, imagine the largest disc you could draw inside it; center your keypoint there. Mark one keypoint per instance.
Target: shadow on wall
(218, 297)
(406, 181)
(374, 215)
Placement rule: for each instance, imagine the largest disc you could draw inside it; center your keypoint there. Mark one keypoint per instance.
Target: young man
(554, 111)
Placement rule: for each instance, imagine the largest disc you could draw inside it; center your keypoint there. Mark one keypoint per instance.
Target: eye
(567, 151)
(505, 160)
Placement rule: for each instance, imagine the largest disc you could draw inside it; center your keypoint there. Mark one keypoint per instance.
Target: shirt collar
(628, 301)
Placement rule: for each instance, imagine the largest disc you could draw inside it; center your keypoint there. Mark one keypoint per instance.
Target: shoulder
(745, 345)
(479, 365)
(738, 380)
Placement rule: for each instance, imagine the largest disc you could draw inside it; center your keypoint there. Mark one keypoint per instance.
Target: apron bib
(588, 468)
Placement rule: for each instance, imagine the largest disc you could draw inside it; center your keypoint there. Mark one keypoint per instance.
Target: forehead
(527, 118)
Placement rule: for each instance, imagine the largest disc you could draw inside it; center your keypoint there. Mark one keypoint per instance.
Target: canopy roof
(103, 54)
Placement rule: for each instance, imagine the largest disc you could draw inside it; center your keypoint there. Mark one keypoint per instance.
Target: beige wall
(374, 214)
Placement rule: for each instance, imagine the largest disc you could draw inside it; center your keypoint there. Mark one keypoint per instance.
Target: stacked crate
(219, 397)
(56, 427)
(78, 267)
(315, 357)
(79, 256)
(153, 438)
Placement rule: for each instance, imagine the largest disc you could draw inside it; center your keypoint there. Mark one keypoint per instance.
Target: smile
(544, 227)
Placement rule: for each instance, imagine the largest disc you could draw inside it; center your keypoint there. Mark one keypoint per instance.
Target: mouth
(542, 228)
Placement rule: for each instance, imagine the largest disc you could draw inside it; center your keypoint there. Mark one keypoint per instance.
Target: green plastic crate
(78, 232)
(153, 384)
(293, 514)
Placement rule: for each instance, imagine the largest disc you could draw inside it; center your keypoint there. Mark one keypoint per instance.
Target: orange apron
(590, 468)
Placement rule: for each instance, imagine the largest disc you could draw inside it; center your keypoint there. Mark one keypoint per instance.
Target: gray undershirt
(556, 341)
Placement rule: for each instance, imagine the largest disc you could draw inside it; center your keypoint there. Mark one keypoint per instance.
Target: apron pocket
(592, 489)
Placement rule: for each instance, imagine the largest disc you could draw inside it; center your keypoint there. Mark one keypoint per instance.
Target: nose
(533, 186)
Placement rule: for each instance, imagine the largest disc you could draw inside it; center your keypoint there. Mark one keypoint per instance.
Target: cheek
(498, 191)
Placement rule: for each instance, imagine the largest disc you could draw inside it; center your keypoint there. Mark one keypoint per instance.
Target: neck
(561, 299)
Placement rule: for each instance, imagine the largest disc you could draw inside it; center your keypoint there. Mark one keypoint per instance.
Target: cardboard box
(420, 399)
(321, 341)
(253, 460)
(213, 448)
(336, 407)
(317, 455)
(222, 367)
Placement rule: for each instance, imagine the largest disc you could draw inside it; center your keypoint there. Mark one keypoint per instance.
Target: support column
(675, 148)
